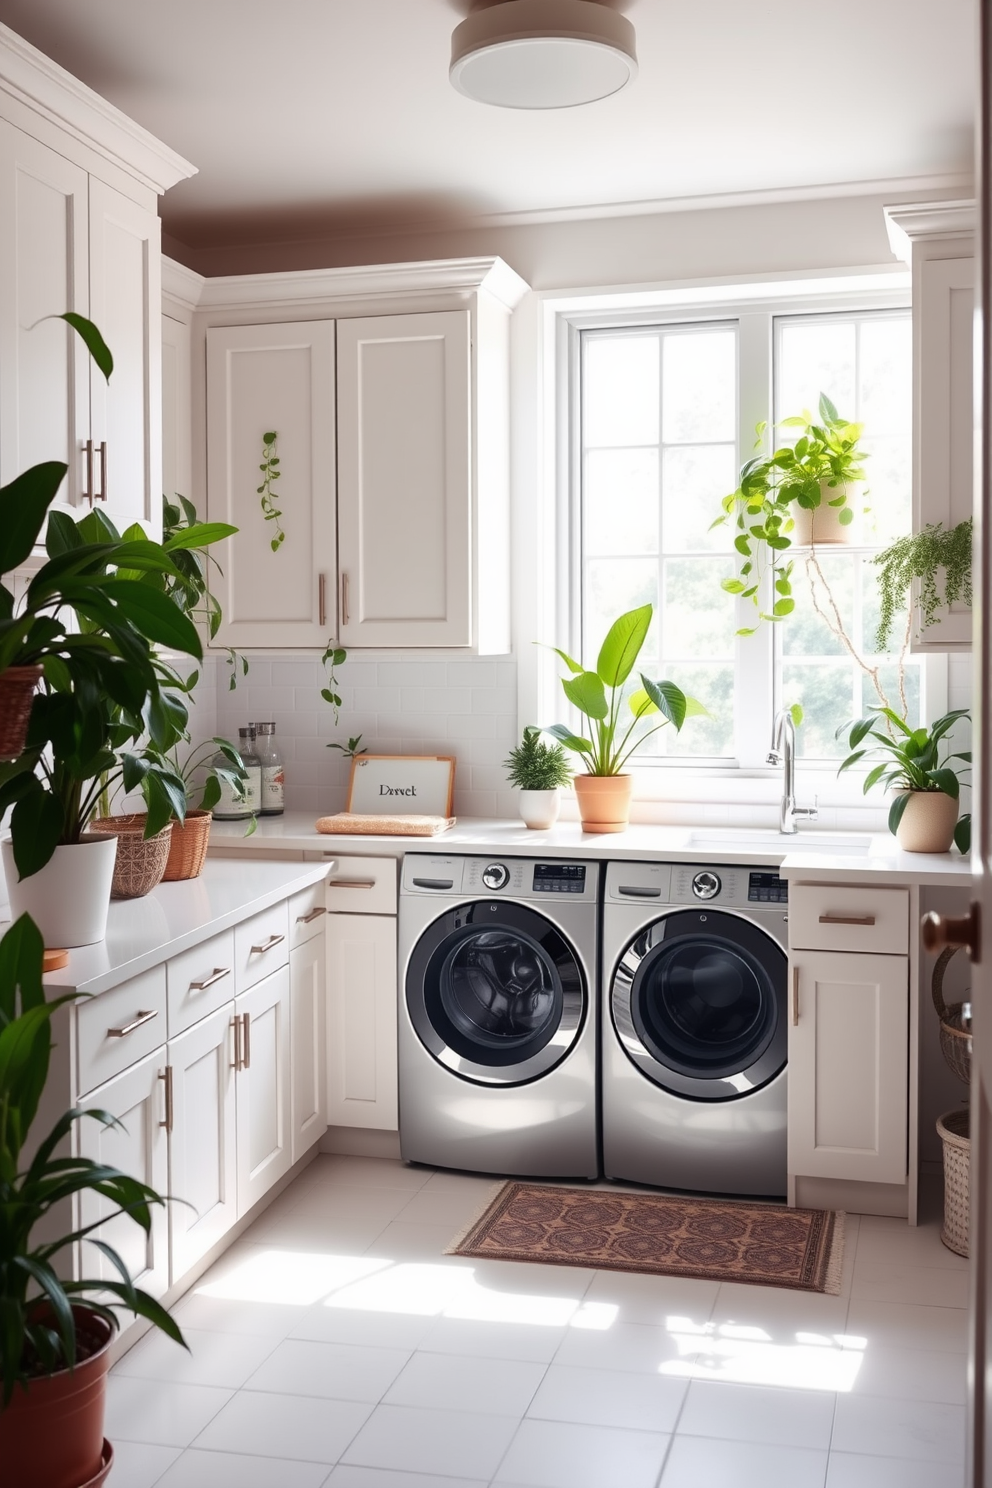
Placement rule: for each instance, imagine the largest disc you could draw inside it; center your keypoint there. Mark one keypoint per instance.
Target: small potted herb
(924, 815)
(538, 770)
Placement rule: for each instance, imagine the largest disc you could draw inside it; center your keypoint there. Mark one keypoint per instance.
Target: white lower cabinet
(262, 1089)
(308, 1030)
(139, 1146)
(848, 1066)
(361, 1024)
(204, 1174)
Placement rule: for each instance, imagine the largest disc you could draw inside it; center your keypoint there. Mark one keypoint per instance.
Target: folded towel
(385, 826)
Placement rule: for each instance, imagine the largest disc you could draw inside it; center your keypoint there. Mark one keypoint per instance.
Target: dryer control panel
(722, 885)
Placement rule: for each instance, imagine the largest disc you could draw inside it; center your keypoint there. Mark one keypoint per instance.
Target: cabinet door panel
(177, 408)
(125, 302)
(263, 1104)
(204, 1164)
(848, 1066)
(308, 1024)
(273, 379)
(361, 1023)
(138, 1147)
(404, 496)
(44, 374)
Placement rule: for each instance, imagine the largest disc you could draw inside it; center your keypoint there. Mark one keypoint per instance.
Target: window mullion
(754, 697)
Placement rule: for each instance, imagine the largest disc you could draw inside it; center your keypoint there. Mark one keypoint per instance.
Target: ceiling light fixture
(542, 54)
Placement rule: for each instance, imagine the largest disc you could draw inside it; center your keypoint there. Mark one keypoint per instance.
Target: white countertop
(871, 859)
(142, 933)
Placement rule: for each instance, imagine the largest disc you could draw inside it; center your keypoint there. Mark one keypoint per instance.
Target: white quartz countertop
(826, 857)
(142, 933)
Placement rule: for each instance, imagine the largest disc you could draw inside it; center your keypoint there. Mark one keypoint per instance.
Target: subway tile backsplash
(417, 704)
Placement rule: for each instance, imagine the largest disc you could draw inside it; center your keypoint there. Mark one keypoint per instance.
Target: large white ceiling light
(542, 54)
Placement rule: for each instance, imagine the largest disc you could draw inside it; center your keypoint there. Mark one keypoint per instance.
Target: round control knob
(706, 885)
(495, 876)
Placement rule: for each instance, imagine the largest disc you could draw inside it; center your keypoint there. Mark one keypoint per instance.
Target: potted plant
(924, 814)
(799, 495)
(201, 773)
(921, 556)
(56, 1332)
(604, 790)
(538, 770)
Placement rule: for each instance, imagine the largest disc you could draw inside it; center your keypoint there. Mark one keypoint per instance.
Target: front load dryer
(497, 1015)
(694, 1033)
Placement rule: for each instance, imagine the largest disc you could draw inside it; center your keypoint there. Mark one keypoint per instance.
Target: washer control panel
(767, 888)
(495, 875)
(706, 884)
(559, 878)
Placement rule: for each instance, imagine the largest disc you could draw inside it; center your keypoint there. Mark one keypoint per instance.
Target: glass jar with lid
(273, 775)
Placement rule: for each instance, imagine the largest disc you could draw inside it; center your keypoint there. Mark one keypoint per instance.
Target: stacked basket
(953, 1126)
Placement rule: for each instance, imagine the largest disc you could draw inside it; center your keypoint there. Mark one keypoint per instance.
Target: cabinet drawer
(199, 981)
(307, 912)
(849, 917)
(120, 1027)
(362, 886)
(261, 945)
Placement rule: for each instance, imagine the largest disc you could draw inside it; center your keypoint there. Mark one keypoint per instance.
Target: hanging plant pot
(69, 898)
(188, 848)
(539, 808)
(141, 860)
(51, 1435)
(17, 685)
(928, 822)
(822, 525)
(604, 801)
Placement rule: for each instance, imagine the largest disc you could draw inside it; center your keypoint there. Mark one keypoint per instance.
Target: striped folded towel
(385, 826)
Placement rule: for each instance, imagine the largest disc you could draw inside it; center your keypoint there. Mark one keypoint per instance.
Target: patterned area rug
(660, 1235)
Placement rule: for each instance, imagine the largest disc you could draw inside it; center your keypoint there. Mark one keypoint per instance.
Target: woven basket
(953, 1128)
(955, 1022)
(188, 851)
(140, 860)
(17, 685)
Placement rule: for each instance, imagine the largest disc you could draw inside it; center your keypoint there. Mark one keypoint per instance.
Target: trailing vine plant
(920, 555)
(270, 472)
(332, 658)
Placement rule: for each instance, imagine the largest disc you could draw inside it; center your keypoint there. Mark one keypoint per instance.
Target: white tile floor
(335, 1344)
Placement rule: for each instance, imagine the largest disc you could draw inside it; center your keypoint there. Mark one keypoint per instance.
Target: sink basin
(743, 839)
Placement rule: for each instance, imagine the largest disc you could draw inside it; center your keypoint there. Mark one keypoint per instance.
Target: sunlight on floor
(745, 1355)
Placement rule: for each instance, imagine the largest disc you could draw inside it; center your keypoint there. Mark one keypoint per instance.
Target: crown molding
(181, 284)
(253, 291)
(35, 80)
(911, 222)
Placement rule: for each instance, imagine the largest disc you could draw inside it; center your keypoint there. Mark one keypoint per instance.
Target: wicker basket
(140, 860)
(188, 851)
(17, 685)
(953, 1128)
(955, 1021)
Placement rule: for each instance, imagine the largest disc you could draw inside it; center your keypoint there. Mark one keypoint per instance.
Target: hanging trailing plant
(270, 472)
(921, 555)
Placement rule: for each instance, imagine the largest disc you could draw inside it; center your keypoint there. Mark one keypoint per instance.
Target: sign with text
(401, 785)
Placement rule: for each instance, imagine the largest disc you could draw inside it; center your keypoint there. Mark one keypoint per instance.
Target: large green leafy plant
(824, 460)
(599, 694)
(37, 1326)
(909, 760)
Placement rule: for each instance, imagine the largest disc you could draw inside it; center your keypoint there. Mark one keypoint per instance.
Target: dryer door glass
(495, 992)
(697, 1002)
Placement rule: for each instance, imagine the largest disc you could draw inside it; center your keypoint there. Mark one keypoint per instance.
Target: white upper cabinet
(79, 230)
(937, 240)
(404, 432)
(273, 379)
(413, 421)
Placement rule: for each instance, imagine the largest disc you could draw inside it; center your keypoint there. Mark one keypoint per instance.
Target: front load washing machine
(497, 1015)
(694, 1028)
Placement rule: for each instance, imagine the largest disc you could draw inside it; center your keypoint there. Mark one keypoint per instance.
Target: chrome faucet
(783, 752)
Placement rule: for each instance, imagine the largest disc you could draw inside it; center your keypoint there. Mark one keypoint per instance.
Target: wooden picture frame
(401, 785)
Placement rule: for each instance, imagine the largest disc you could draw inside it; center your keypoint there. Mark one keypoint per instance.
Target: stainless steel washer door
(496, 993)
(697, 1002)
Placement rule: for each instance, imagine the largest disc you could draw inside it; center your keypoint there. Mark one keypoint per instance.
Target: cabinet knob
(940, 931)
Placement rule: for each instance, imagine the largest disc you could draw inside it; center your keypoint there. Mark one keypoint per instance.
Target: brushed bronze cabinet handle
(829, 919)
(104, 491)
(138, 1022)
(795, 997)
(167, 1077)
(246, 1028)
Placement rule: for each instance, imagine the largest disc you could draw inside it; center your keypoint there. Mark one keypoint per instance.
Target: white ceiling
(317, 116)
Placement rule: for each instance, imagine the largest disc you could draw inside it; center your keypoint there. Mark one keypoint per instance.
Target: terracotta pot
(17, 685)
(928, 822)
(539, 808)
(51, 1435)
(188, 849)
(604, 801)
(141, 860)
(823, 524)
(69, 898)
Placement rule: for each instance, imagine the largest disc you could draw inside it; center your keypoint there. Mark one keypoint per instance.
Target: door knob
(940, 931)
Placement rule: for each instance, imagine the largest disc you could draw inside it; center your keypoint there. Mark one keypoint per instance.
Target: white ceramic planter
(823, 525)
(539, 808)
(928, 822)
(69, 898)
